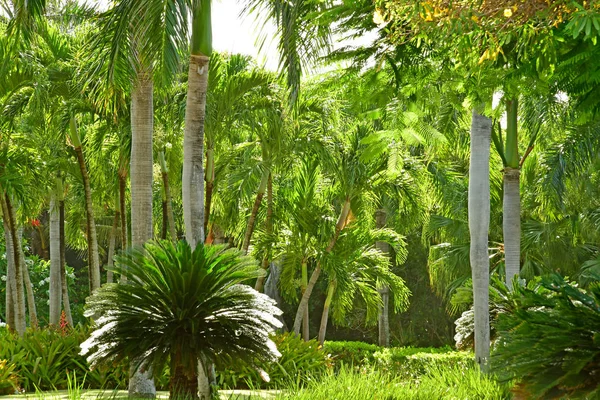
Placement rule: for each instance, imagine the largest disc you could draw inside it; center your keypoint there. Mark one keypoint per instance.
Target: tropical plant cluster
(445, 170)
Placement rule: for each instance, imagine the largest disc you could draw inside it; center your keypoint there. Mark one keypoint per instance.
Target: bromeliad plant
(182, 306)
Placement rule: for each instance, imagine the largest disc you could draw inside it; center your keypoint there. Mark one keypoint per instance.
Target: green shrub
(350, 353)
(9, 382)
(44, 357)
(412, 363)
(300, 361)
(548, 338)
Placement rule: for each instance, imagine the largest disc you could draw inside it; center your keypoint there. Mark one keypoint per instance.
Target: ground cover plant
(447, 382)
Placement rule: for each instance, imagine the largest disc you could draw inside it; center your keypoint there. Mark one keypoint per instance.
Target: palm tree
(212, 314)
(479, 221)
(356, 266)
(352, 175)
(231, 82)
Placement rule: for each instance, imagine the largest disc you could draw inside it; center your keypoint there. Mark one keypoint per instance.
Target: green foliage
(8, 379)
(447, 382)
(42, 359)
(300, 362)
(548, 339)
(412, 363)
(178, 300)
(350, 353)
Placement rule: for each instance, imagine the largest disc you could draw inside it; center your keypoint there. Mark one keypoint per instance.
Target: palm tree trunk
(193, 144)
(93, 255)
(19, 293)
(252, 220)
(141, 383)
(33, 319)
(325, 315)
(341, 223)
(193, 150)
(168, 198)
(123, 208)
(305, 316)
(55, 273)
(384, 291)
(142, 126)
(63, 263)
(11, 280)
(260, 282)
(511, 220)
(183, 384)
(111, 248)
(479, 222)
(210, 182)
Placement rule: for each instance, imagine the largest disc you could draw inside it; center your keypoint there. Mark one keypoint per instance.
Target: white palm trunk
(55, 267)
(141, 383)
(511, 224)
(193, 150)
(479, 222)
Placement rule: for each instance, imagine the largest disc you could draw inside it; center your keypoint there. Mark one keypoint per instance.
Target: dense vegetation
(443, 174)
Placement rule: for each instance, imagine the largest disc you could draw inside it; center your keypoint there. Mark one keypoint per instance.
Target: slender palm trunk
(11, 279)
(31, 307)
(93, 255)
(141, 383)
(19, 293)
(260, 282)
(210, 182)
(168, 199)
(252, 220)
(325, 316)
(511, 221)
(384, 291)
(63, 263)
(112, 242)
(193, 150)
(479, 222)
(123, 207)
(55, 273)
(314, 277)
(305, 316)
(193, 145)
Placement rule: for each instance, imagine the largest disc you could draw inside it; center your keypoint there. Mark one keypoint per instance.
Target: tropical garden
(412, 217)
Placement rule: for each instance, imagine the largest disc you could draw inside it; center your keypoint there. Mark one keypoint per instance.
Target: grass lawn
(122, 394)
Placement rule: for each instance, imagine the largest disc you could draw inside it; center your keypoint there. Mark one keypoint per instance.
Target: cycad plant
(182, 305)
(548, 339)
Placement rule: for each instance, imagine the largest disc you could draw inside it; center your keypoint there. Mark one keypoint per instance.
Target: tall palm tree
(479, 221)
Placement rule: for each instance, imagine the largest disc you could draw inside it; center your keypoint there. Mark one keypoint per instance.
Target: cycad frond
(182, 299)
